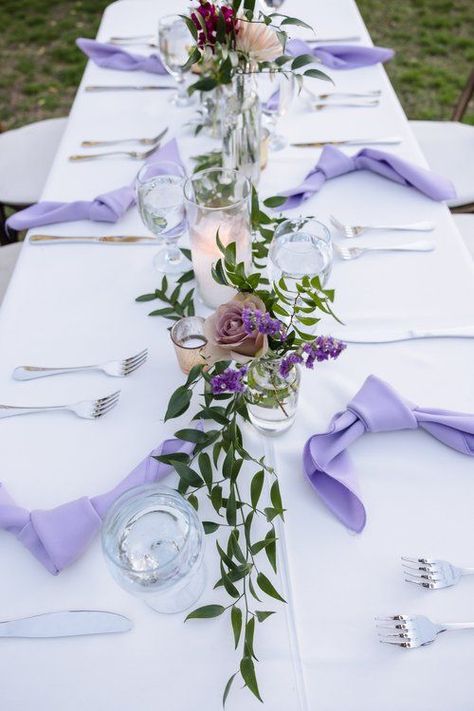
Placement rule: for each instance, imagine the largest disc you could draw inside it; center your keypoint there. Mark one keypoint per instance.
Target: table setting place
(225, 527)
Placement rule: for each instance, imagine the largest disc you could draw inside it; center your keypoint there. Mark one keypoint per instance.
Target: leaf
(252, 590)
(236, 619)
(190, 25)
(216, 498)
(190, 435)
(146, 297)
(270, 549)
(228, 461)
(275, 201)
(317, 74)
(275, 496)
(228, 584)
(231, 508)
(210, 526)
(188, 475)
(193, 500)
(205, 467)
(263, 614)
(179, 402)
(204, 84)
(256, 487)
(249, 635)
(247, 669)
(206, 612)
(296, 21)
(302, 60)
(264, 584)
(227, 688)
(172, 458)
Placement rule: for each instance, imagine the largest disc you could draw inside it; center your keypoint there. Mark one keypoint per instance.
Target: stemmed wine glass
(276, 92)
(274, 4)
(174, 43)
(160, 200)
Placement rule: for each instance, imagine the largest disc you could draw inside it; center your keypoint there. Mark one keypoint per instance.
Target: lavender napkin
(108, 207)
(342, 56)
(377, 407)
(334, 162)
(110, 56)
(59, 536)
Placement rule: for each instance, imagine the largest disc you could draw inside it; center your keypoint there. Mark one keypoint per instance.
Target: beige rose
(226, 336)
(259, 42)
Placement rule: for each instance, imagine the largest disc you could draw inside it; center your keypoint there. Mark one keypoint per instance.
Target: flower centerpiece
(233, 42)
(256, 344)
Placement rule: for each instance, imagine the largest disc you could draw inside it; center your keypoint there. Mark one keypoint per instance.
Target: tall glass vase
(241, 127)
(272, 398)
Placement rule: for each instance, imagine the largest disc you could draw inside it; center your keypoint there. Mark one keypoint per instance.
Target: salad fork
(351, 231)
(433, 574)
(154, 141)
(411, 631)
(115, 368)
(348, 253)
(136, 155)
(88, 409)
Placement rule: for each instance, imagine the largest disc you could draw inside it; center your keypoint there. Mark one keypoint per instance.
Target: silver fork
(154, 141)
(433, 574)
(351, 231)
(361, 104)
(136, 155)
(116, 368)
(88, 409)
(411, 631)
(348, 253)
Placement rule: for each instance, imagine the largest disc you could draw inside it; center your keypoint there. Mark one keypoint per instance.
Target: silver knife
(327, 40)
(390, 140)
(128, 87)
(366, 336)
(105, 239)
(70, 623)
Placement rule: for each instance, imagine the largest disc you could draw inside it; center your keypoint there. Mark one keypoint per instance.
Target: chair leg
(7, 236)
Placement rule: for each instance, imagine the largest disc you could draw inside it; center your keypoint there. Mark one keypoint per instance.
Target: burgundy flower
(206, 23)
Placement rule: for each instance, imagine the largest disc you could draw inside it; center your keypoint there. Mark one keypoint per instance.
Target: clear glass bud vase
(241, 127)
(272, 398)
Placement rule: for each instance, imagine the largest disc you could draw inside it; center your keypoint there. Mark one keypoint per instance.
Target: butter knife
(390, 140)
(367, 336)
(105, 239)
(70, 623)
(127, 87)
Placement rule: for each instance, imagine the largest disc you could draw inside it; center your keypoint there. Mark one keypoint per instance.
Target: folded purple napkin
(108, 207)
(377, 407)
(110, 56)
(341, 56)
(59, 536)
(334, 162)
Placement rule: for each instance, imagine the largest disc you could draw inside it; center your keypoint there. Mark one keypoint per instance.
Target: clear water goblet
(276, 90)
(160, 200)
(153, 543)
(174, 42)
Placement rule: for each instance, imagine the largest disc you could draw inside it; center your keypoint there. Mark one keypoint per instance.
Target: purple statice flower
(288, 362)
(230, 381)
(322, 348)
(256, 320)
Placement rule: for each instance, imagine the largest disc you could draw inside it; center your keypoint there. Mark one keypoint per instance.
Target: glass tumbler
(153, 542)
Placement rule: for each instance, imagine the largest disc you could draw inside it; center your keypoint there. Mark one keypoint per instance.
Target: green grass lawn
(41, 66)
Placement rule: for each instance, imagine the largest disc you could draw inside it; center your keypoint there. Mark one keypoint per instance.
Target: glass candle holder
(153, 542)
(189, 340)
(217, 200)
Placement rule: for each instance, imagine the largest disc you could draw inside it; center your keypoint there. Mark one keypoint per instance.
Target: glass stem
(173, 253)
(182, 91)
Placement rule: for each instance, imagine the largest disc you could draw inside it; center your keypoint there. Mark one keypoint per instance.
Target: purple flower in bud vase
(230, 381)
(322, 348)
(256, 320)
(287, 364)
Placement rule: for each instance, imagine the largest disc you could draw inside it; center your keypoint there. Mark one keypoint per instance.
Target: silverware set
(343, 99)
(154, 142)
(87, 409)
(412, 631)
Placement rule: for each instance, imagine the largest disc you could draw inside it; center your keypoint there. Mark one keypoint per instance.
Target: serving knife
(70, 623)
(374, 336)
(389, 140)
(104, 239)
(128, 87)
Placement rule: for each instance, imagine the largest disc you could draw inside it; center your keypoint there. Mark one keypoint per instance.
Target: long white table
(71, 303)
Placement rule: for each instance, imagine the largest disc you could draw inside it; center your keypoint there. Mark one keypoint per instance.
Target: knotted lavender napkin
(377, 407)
(110, 56)
(108, 207)
(59, 536)
(341, 56)
(334, 162)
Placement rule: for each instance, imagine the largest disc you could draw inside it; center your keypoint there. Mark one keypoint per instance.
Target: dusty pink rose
(226, 336)
(259, 42)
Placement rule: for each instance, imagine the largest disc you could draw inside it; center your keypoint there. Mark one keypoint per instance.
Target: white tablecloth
(71, 303)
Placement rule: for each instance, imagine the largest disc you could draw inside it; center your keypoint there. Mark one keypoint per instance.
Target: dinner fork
(348, 253)
(346, 105)
(136, 155)
(350, 231)
(88, 409)
(115, 368)
(433, 574)
(411, 631)
(154, 141)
